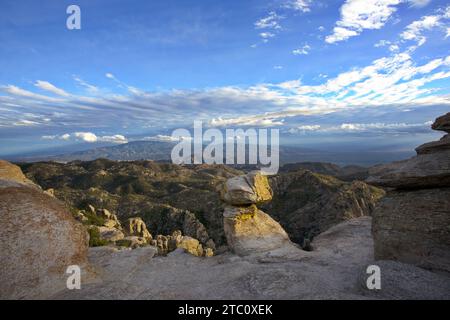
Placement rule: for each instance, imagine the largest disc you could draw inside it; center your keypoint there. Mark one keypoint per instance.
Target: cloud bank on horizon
(306, 67)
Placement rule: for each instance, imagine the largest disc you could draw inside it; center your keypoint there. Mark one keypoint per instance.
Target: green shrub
(124, 243)
(94, 238)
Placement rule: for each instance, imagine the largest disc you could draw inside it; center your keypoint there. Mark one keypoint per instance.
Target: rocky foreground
(335, 270)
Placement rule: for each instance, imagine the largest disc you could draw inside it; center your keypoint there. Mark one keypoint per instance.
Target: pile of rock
(249, 230)
(133, 233)
(412, 224)
(169, 243)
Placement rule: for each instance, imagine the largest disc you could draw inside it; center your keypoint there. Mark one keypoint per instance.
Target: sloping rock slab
(423, 171)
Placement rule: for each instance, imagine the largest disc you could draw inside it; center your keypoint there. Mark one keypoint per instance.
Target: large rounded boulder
(39, 239)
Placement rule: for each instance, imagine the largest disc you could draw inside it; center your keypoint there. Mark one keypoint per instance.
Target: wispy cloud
(88, 137)
(374, 127)
(89, 87)
(47, 86)
(271, 21)
(299, 5)
(357, 16)
(419, 3)
(415, 30)
(165, 138)
(391, 80)
(304, 50)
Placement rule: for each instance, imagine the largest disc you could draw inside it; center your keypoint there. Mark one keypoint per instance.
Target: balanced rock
(39, 239)
(252, 188)
(249, 230)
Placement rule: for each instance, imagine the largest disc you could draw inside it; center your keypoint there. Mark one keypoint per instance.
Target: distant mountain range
(160, 151)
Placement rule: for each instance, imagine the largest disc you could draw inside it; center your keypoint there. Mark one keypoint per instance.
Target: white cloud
(269, 22)
(257, 121)
(382, 43)
(87, 137)
(377, 126)
(110, 76)
(304, 128)
(89, 87)
(391, 80)
(49, 137)
(65, 136)
(357, 15)
(266, 35)
(117, 138)
(414, 30)
(16, 91)
(394, 48)
(165, 138)
(361, 127)
(299, 5)
(47, 86)
(26, 123)
(419, 3)
(302, 51)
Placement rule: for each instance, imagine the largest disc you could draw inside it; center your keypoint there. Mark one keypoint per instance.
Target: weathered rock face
(39, 239)
(426, 170)
(442, 123)
(414, 227)
(11, 174)
(412, 224)
(435, 146)
(252, 188)
(249, 230)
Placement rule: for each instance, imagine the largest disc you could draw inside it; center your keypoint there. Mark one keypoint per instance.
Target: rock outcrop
(39, 239)
(429, 169)
(307, 204)
(249, 230)
(137, 227)
(412, 224)
(11, 174)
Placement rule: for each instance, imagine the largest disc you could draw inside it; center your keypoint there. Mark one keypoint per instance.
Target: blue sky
(371, 72)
